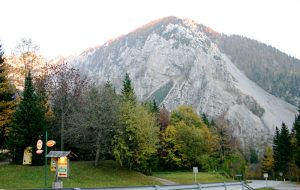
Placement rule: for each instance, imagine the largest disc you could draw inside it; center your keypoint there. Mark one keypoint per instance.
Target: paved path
(279, 185)
(165, 181)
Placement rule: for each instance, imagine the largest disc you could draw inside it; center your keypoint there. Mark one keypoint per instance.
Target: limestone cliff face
(173, 61)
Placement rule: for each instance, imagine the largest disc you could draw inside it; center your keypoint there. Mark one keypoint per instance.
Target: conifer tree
(296, 128)
(28, 124)
(7, 103)
(205, 119)
(127, 90)
(154, 107)
(137, 136)
(282, 149)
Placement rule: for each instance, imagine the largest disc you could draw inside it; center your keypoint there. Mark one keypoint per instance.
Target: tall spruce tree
(7, 103)
(137, 136)
(127, 90)
(296, 128)
(282, 149)
(28, 124)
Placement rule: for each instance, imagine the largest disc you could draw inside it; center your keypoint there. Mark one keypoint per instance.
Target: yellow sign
(27, 157)
(50, 143)
(53, 164)
(62, 167)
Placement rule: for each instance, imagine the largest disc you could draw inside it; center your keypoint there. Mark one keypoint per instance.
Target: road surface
(279, 185)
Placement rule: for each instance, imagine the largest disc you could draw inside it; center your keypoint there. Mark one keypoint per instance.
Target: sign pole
(266, 177)
(195, 171)
(46, 139)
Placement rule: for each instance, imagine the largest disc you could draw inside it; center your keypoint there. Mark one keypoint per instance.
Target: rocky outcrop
(173, 61)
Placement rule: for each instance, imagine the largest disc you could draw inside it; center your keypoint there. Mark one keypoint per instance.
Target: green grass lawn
(188, 177)
(83, 174)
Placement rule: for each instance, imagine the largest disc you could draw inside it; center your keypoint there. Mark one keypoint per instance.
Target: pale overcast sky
(66, 27)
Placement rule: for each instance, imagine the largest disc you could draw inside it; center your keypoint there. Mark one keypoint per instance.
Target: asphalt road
(279, 185)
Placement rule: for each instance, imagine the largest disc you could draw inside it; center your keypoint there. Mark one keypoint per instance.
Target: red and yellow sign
(50, 143)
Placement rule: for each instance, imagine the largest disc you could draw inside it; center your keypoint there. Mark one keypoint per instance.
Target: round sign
(39, 144)
(39, 151)
(50, 143)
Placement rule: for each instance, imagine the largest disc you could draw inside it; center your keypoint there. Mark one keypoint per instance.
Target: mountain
(179, 62)
(274, 71)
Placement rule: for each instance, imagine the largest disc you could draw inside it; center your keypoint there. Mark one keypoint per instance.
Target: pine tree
(205, 120)
(286, 153)
(28, 124)
(127, 90)
(282, 149)
(155, 108)
(296, 128)
(276, 149)
(253, 156)
(7, 103)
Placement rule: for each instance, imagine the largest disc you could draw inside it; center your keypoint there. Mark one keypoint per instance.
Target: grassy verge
(188, 177)
(83, 174)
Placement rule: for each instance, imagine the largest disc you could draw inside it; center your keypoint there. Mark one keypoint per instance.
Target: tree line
(100, 123)
(283, 161)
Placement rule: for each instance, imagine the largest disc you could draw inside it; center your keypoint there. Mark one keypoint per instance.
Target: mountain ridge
(174, 61)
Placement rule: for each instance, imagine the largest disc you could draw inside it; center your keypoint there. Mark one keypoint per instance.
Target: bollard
(57, 185)
(225, 186)
(199, 186)
(157, 187)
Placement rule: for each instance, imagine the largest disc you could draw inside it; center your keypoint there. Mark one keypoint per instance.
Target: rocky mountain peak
(176, 62)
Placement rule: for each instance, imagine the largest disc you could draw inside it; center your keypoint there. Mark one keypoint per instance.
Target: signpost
(266, 177)
(39, 145)
(195, 171)
(60, 163)
(281, 175)
(240, 176)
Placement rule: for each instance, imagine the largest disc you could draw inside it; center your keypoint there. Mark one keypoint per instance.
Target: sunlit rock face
(174, 62)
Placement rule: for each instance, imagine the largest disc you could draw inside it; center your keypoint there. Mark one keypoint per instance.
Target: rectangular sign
(62, 167)
(27, 157)
(53, 164)
(195, 170)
